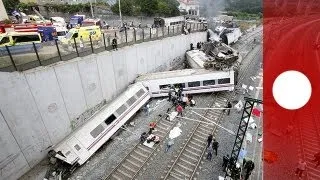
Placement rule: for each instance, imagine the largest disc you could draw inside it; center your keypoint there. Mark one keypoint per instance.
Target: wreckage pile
(222, 57)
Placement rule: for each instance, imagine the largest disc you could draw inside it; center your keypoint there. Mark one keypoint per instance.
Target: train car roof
(199, 57)
(177, 73)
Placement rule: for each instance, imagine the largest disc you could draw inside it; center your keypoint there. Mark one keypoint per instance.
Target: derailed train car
(192, 81)
(80, 145)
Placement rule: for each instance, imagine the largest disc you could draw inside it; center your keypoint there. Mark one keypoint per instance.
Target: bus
(171, 21)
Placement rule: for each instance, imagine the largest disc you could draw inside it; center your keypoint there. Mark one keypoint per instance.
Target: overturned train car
(80, 145)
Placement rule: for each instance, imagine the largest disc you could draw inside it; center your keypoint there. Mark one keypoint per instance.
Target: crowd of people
(150, 137)
(229, 164)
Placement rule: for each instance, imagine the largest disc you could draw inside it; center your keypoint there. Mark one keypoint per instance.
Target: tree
(10, 4)
(126, 7)
(149, 7)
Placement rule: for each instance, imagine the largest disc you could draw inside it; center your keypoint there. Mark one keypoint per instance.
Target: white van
(61, 32)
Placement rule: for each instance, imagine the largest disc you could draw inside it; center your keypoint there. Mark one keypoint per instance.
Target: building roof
(189, 2)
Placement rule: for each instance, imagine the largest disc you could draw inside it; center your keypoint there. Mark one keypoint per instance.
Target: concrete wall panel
(90, 79)
(171, 48)
(71, 88)
(22, 116)
(157, 51)
(120, 69)
(142, 59)
(108, 84)
(11, 158)
(151, 59)
(165, 54)
(132, 62)
(46, 91)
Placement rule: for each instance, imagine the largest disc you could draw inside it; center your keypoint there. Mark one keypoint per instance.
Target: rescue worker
(229, 106)
(114, 44)
(248, 168)
(301, 168)
(235, 172)
(81, 44)
(191, 46)
(317, 159)
(169, 144)
(152, 125)
(143, 137)
(198, 45)
(215, 146)
(225, 162)
(184, 101)
(147, 110)
(179, 110)
(209, 140)
(209, 155)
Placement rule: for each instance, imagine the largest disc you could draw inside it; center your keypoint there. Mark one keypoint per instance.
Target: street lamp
(91, 9)
(120, 14)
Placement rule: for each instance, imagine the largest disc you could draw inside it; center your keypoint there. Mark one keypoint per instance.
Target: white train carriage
(192, 81)
(85, 141)
(171, 21)
(196, 59)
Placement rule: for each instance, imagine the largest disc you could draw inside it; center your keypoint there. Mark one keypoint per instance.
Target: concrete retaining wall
(40, 107)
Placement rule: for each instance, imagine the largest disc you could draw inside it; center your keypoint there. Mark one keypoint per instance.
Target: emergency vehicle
(84, 32)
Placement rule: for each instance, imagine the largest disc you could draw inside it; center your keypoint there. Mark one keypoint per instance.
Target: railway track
(189, 158)
(132, 163)
(130, 166)
(309, 144)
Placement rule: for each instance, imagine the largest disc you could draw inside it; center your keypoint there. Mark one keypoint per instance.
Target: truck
(76, 19)
(47, 32)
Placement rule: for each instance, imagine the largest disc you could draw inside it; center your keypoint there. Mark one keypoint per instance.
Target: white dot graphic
(291, 90)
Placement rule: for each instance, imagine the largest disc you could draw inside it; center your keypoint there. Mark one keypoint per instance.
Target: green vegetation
(245, 16)
(147, 7)
(244, 9)
(65, 8)
(10, 4)
(245, 6)
(68, 8)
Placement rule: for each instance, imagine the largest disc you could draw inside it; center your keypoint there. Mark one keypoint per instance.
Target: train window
(183, 85)
(194, 84)
(224, 81)
(77, 147)
(131, 100)
(110, 119)
(165, 86)
(140, 93)
(98, 130)
(121, 109)
(209, 82)
(67, 154)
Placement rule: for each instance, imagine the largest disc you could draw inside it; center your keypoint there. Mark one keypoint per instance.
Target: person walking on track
(215, 146)
(209, 140)
(317, 159)
(179, 110)
(225, 162)
(300, 168)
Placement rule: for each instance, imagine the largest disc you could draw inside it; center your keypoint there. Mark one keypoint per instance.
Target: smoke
(211, 8)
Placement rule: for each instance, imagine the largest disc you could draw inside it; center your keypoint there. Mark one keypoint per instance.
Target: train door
(77, 147)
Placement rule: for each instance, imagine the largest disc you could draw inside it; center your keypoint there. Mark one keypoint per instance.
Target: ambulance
(84, 32)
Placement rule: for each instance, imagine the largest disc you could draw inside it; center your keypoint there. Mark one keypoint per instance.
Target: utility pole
(120, 14)
(91, 9)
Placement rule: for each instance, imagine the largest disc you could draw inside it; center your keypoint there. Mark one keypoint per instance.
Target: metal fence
(20, 58)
